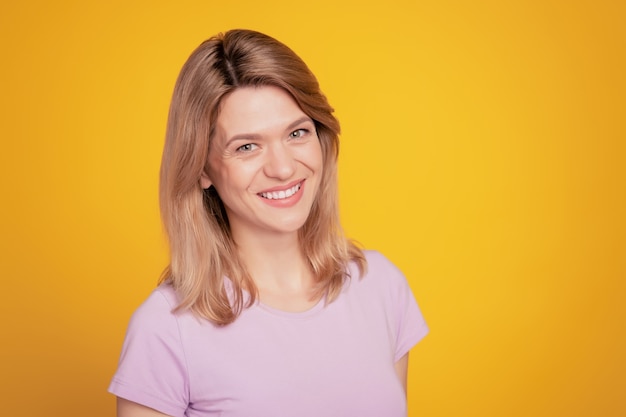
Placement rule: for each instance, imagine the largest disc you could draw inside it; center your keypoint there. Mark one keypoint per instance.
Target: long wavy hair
(202, 250)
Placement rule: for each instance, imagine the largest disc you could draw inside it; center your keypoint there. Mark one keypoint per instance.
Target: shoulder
(380, 268)
(156, 311)
(161, 301)
(154, 330)
(384, 280)
(380, 279)
(377, 261)
(153, 369)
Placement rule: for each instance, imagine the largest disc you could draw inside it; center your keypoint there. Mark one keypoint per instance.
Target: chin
(290, 226)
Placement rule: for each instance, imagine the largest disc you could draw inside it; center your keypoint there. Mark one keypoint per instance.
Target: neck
(275, 262)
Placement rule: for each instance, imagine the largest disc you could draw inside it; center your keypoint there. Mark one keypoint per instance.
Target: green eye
(246, 148)
(298, 133)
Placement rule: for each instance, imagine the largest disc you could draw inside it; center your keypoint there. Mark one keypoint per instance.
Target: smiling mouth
(280, 195)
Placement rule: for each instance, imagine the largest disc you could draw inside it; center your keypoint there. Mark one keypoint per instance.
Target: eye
(248, 147)
(298, 133)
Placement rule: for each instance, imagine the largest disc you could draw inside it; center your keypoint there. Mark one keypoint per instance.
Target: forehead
(256, 110)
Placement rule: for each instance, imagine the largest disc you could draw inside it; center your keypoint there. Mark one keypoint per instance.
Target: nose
(280, 163)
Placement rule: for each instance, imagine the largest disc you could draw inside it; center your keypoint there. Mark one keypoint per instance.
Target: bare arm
(402, 367)
(127, 408)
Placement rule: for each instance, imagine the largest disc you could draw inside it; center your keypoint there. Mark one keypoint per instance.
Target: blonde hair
(201, 246)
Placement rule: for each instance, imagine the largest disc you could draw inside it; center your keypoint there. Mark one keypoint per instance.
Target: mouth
(281, 194)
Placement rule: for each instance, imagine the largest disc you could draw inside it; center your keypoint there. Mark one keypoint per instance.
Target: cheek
(318, 157)
(313, 154)
(236, 178)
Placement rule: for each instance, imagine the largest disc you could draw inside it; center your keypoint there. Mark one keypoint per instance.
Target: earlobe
(205, 181)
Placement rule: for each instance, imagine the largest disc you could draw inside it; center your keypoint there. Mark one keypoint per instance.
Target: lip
(282, 187)
(284, 202)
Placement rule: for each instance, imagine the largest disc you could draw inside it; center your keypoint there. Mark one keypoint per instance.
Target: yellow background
(484, 152)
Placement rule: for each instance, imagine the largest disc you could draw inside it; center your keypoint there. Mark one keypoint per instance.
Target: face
(265, 161)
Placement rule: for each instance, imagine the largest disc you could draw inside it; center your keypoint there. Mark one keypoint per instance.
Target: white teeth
(279, 195)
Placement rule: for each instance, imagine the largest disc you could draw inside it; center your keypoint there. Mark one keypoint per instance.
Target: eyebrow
(249, 136)
(299, 121)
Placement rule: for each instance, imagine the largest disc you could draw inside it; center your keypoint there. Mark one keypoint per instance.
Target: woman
(266, 309)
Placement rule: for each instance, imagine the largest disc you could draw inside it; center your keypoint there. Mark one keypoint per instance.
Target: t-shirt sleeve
(407, 319)
(152, 370)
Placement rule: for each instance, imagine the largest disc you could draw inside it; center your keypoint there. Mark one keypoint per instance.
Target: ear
(205, 181)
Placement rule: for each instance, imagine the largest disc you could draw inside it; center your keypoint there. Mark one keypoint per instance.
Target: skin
(402, 367)
(264, 142)
(127, 408)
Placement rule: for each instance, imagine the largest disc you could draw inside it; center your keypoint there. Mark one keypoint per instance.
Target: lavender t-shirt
(332, 360)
